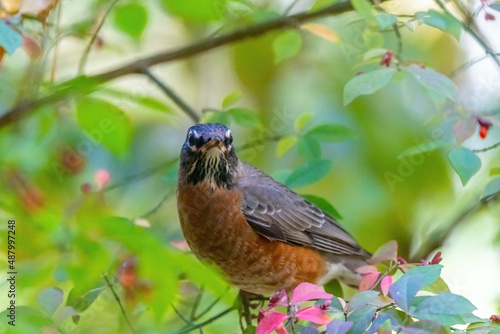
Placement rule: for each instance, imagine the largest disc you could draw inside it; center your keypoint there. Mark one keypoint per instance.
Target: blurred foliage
(377, 114)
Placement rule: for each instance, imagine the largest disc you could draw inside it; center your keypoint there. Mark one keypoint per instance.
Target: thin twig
(159, 205)
(196, 303)
(209, 307)
(119, 303)
(290, 7)
(204, 323)
(56, 46)
(471, 32)
(85, 55)
(181, 316)
(486, 149)
(172, 95)
(25, 108)
(467, 65)
(399, 50)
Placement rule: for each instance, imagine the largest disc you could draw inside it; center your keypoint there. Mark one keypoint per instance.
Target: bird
(262, 235)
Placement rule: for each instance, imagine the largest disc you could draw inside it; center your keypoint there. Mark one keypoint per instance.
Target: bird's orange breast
(216, 230)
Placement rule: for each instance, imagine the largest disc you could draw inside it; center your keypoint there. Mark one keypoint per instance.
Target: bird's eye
(191, 140)
(228, 140)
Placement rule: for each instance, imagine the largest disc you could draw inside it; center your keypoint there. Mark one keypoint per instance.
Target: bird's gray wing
(278, 213)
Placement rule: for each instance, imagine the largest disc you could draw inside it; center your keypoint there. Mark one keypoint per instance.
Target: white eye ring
(228, 133)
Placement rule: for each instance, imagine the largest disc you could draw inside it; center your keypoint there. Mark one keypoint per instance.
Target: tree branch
(25, 108)
(172, 95)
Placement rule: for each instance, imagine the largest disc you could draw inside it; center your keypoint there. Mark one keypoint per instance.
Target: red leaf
(436, 259)
(314, 314)
(385, 284)
(368, 269)
(307, 291)
(387, 252)
(367, 281)
(278, 299)
(270, 322)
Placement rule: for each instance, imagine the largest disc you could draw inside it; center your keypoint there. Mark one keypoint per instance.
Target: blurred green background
(282, 95)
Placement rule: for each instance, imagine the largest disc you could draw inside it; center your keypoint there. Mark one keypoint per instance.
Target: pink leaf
(464, 128)
(367, 270)
(388, 252)
(278, 299)
(102, 177)
(385, 284)
(270, 322)
(367, 281)
(314, 314)
(307, 291)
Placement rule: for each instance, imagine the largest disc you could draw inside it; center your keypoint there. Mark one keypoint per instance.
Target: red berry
(386, 59)
(489, 17)
(484, 127)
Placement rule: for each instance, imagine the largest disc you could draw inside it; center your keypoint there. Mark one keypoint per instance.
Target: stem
(486, 148)
(85, 55)
(172, 95)
(56, 46)
(399, 51)
(209, 321)
(119, 303)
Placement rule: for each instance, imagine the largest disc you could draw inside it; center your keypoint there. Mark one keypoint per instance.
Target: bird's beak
(216, 142)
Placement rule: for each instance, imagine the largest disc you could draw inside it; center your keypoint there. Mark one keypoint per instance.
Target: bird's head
(208, 156)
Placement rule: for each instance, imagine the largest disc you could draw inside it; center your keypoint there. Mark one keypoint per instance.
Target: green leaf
(286, 45)
(146, 101)
(444, 304)
(216, 116)
(245, 117)
(367, 83)
(361, 319)
(331, 133)
(385, 20)
(404, 290)
(231, 99)
(198, 11)
(363, 8)
(308, 173)
(302, 121)
(361, 300)
(441, 21)
(429, 273)
(50, 299)
(285, 144)
(434, 81)
(495, 171)
(425, 326)
(492, 188)
(107, 125)
(495, 6)
(81, 303)
(309, 147)
(324, 205)
(131, 18)
(334, 287)
(465, 162)
(10, 39)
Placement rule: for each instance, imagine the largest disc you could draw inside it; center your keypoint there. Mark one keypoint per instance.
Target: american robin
(261, 234)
